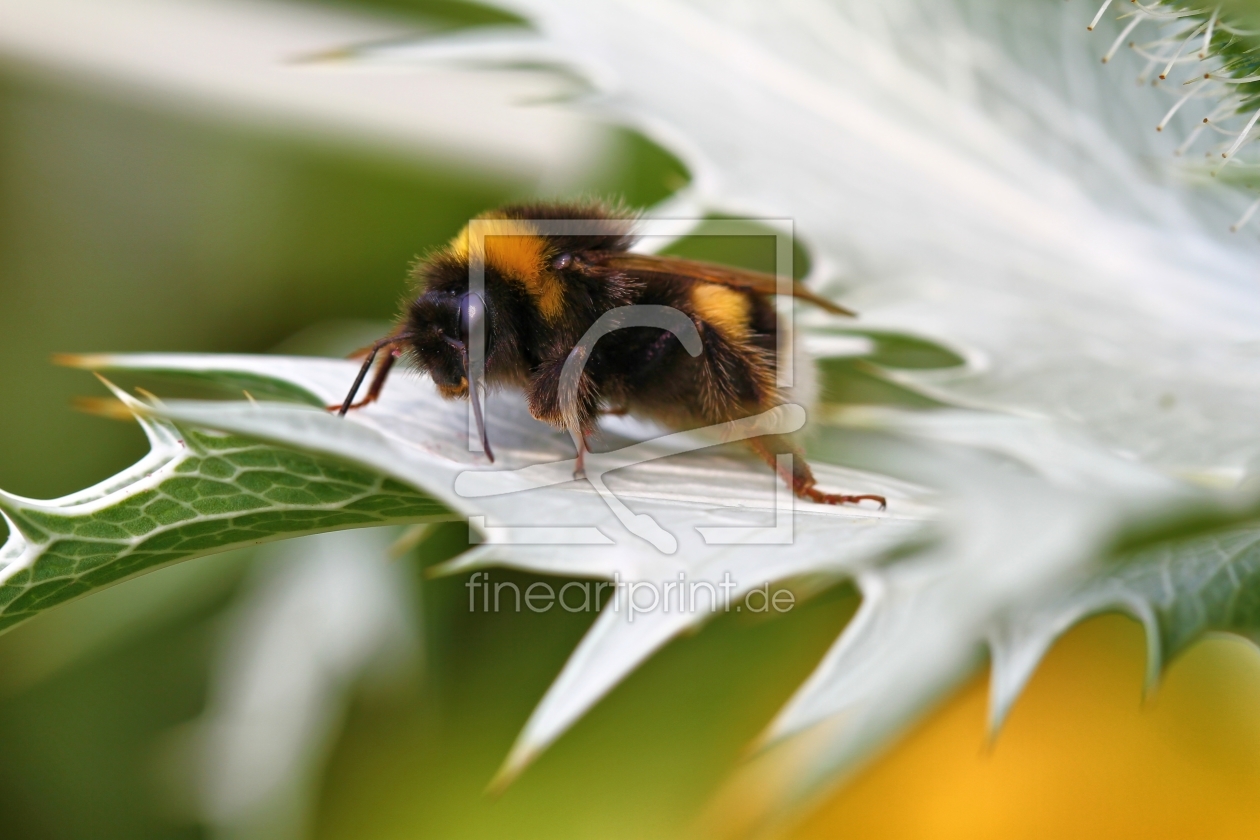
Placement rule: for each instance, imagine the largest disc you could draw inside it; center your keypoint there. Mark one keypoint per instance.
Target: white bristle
(1194, 135)
(1182, 101)
(1137, 18)
(1246, 216)
(1207, 36)
(1242, 137)
(1098, 16)
(1177, 54)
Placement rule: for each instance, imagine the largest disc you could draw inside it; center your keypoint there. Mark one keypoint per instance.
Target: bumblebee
(543, 292)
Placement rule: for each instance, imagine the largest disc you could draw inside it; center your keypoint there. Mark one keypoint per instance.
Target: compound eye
(562, 262)
(472, 312)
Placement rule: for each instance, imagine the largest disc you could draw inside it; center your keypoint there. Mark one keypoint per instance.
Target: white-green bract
(964, 171)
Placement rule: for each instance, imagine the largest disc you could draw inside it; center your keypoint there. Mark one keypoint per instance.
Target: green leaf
(196, 493)
(1197, 585)
(1179, 589)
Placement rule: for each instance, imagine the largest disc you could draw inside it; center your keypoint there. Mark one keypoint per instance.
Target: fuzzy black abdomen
(648, 372)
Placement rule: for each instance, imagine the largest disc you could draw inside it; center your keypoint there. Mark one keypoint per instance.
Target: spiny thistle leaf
(415, 437)
(195, 493)
(1179, 589)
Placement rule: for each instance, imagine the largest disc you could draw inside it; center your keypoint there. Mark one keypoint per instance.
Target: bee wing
(724, 275)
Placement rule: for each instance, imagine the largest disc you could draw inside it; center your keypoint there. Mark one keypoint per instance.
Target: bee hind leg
(801, 478)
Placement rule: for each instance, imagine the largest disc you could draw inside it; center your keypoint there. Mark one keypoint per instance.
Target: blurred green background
(130, 226)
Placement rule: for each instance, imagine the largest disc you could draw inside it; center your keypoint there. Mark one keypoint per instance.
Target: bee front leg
(378, 378)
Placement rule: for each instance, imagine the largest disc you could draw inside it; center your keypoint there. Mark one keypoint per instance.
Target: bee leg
(579, 469)
(378, 379)
(801, 478)
(619, 411)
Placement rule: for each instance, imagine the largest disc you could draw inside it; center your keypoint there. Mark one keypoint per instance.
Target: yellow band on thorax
(514, 249)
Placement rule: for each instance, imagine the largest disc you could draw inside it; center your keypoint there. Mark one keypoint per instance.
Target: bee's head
(528, 262)
(440, 325)
(443, 329)
(513, 278)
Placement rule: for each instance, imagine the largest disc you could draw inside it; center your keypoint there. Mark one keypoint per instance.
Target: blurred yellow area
(1081, 756)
